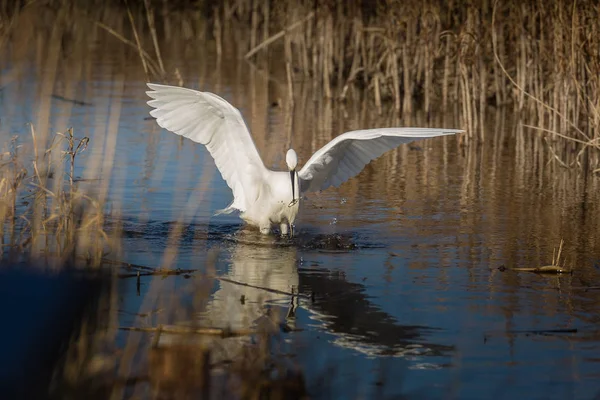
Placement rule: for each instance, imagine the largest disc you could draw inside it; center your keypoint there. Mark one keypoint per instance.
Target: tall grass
(43, 214)
(538, 60)
(541, 60)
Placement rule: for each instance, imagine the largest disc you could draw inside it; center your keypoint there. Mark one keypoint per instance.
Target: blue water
(402, 261)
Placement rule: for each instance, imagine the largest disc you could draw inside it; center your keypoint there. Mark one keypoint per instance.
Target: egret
(267, 198)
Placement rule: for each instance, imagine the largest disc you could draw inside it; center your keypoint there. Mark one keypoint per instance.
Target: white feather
(348, 154)
(210, 120)
(263, 196)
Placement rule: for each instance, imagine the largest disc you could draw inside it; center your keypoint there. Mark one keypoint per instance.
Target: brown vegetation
(540, 60)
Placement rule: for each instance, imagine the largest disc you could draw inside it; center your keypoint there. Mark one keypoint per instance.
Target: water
(399, 271)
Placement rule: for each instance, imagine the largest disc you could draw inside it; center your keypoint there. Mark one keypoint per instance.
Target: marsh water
(404, 274)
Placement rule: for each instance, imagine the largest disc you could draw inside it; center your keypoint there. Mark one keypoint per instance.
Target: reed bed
(44, 215)
(539, 60)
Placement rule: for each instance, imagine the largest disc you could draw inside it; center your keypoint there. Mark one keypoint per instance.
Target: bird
(263, 197)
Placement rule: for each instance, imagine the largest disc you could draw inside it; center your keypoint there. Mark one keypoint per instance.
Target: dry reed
(542, 59)
(539, 60)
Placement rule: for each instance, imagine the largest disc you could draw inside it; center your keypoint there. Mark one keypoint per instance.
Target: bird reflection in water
(263, 288)
(256, 293)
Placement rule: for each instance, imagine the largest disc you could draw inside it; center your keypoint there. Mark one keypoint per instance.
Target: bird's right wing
(210, 120)
(347, 155)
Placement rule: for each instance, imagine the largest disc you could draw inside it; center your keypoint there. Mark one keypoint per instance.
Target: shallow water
(399, 271)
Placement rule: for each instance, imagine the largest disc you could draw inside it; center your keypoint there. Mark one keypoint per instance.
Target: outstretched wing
(346, 155)
(210, 120)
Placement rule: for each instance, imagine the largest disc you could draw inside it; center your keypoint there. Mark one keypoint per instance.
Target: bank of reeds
(540, 60)
(43, 214)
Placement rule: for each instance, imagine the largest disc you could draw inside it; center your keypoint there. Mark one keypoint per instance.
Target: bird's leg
(284, 228)
(265, 229)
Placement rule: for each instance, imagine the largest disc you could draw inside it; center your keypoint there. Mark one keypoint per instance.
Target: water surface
(404, 272)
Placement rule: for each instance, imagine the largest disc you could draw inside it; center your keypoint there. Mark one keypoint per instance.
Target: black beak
(292, 176)
(292, 172)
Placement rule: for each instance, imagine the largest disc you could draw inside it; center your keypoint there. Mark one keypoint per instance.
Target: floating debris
(74, 101)
(553, 268)
(546, 269)
(529, 332)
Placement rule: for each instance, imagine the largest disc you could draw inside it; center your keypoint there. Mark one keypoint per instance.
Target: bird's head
(291, 159)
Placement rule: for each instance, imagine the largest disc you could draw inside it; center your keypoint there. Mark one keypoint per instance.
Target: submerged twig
(159, 272)
(546, 269)
(585, 288)
(224, 333)
(127, 265)
(149, 271)
(74, 101)
(527, 332)
(554, 268)
(276, 291)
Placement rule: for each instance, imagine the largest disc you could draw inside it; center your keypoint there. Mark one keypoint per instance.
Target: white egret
(265, 197)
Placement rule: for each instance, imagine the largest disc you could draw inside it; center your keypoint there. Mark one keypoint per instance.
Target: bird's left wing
(347, 155)
(210, 120)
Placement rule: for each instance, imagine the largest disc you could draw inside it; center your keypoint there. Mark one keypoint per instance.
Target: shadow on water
(43, 312)
(345, 310)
